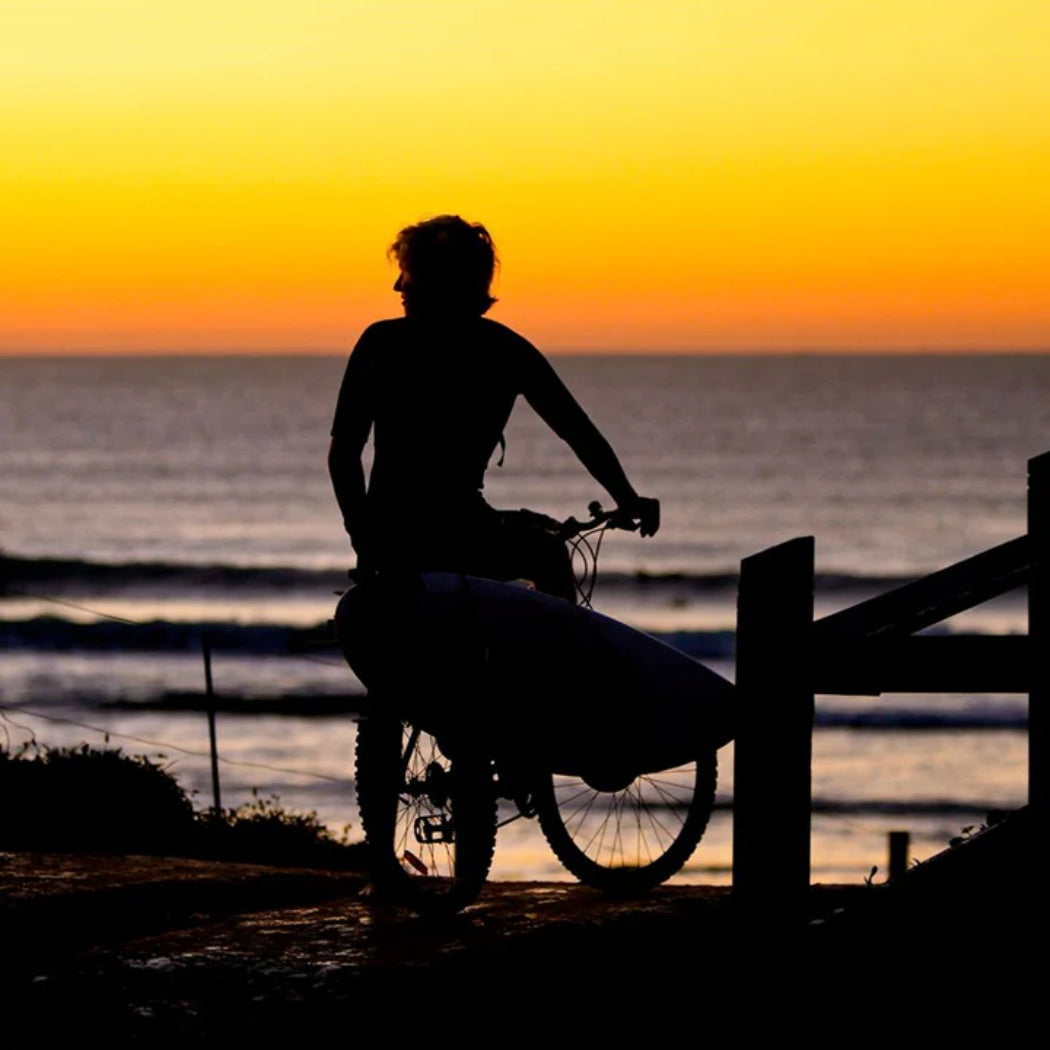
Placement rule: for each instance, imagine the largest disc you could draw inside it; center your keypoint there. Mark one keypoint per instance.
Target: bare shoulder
(375, 339)
(387, 328)
(499, 333)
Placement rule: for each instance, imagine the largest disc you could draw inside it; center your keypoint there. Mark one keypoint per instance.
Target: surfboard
(532, 674)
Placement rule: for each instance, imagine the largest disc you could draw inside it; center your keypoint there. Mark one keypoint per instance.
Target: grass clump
(971, 831)
(100, 800)
(84, 799)
(264, 832)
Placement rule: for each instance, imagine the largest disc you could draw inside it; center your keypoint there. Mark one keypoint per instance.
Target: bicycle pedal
(525, 805)
(521, 799)
(433, 828)
(513, 790)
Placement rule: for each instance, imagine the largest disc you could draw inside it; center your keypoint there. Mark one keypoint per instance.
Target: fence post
(1039, 637)
(772, 790)
(900, 844)
(209, 687)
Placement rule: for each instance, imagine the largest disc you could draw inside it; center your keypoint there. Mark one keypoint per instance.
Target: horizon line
(568, 351)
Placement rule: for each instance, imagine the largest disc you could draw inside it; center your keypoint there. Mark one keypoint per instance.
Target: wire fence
(584, 550)
(107, 733)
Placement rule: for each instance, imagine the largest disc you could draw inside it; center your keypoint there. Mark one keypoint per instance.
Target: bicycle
(429, 785)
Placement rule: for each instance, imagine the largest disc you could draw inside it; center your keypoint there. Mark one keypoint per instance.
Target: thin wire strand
(160, 744)
(139, 623)
(143, 740)
(587, 551)
(73, 605)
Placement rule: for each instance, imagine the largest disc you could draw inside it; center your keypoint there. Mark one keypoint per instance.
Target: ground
(160, 951)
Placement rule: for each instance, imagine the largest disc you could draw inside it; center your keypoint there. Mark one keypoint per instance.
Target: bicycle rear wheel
(429, 821)
(626, 836)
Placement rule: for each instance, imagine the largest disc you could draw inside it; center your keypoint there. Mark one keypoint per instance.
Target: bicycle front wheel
(624, 837)
(429, 821)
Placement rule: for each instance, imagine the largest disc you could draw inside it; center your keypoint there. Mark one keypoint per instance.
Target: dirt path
(159, 952)
(152, 949)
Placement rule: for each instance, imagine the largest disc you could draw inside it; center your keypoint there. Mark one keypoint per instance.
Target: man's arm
(348, 481)
(555, 405)
(354, 415)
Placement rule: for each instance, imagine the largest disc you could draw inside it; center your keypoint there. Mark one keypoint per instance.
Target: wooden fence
(784, 658)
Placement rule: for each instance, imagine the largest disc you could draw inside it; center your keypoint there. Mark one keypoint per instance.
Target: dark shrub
(87, 799)
(99, 800)
(263, 832)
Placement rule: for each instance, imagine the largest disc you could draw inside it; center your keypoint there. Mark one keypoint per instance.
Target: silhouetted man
(438, 386)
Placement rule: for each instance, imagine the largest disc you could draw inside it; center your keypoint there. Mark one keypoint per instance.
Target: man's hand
(646, 511)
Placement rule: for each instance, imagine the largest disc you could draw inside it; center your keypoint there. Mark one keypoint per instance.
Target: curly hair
(447, 265)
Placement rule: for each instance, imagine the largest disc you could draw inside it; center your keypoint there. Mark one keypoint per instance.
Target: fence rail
(784, 658)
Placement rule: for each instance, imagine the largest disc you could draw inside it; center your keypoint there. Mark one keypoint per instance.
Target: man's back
(438, 394)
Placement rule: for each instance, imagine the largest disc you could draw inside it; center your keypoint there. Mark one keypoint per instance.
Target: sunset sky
(665, 175)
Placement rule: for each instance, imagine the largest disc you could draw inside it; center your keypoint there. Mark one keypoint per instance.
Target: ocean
(145, 499)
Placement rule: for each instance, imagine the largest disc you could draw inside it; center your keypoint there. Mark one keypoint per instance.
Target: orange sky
(671, 175)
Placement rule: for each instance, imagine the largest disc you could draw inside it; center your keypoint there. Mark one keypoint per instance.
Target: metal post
(210, 690)
(1039, 637)
(772, 792)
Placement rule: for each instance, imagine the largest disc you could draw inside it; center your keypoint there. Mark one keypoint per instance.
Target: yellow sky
(704, 174)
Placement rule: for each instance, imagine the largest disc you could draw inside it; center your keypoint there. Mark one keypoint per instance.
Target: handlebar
(569, 530)
(613, 519)
(572, 527)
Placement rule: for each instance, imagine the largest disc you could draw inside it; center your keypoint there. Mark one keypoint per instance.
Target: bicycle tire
(630, 839)
(429, 821)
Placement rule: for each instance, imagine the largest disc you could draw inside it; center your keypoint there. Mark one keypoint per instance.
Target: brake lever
(611, 518)
(625, 522)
